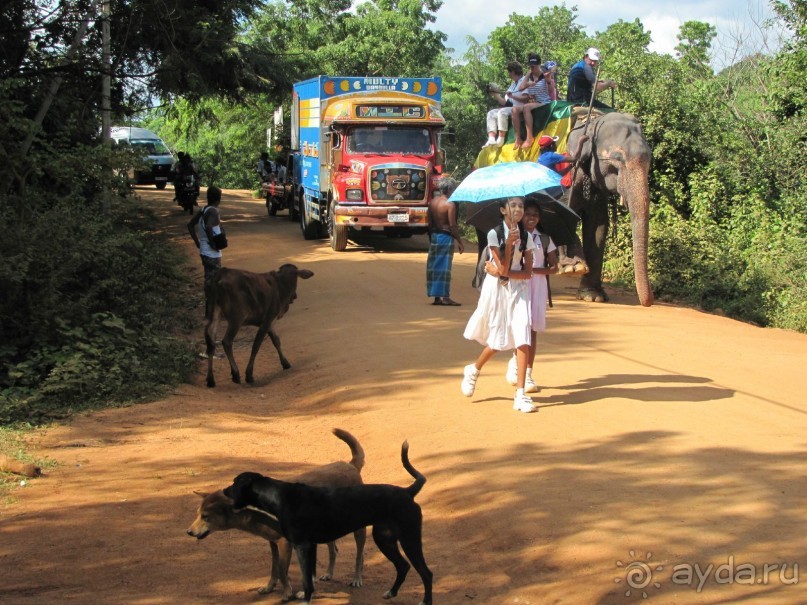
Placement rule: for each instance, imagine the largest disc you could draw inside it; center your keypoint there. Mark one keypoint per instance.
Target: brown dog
(216, 513)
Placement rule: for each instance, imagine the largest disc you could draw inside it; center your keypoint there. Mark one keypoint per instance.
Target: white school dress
(539, 292)
(502, 316)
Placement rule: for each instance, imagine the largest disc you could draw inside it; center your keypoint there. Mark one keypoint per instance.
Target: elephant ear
(585, 153)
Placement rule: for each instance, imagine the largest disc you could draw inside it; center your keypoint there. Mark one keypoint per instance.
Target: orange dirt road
(668, 441)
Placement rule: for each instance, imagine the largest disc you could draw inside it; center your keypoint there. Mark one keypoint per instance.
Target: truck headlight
(354, 195)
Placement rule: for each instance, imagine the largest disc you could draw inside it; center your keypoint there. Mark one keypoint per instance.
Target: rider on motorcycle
(186, 182)
(185, 166)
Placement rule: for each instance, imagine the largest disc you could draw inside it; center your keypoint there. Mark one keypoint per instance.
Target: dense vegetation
(84, 317)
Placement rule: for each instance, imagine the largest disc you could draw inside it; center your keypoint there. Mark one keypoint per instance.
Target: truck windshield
(150, 146)
(390, 140)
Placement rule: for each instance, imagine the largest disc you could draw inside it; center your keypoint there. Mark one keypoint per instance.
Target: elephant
(614, 161)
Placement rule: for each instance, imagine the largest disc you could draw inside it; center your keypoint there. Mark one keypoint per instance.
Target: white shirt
(515, 263)
(205, 249)
(538, 257)
(511, 91)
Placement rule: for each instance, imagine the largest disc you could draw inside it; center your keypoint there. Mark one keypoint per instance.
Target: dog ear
(234, 491)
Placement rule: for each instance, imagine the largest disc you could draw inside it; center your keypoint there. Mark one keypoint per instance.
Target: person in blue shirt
(561, 163)
(583, 80)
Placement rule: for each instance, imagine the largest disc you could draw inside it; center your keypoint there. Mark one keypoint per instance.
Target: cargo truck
(366, 155)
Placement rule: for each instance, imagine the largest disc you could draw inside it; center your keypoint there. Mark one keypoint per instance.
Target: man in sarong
(442, 233)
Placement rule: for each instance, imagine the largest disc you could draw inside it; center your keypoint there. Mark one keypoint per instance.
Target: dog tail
(420, 480)
(355, 448)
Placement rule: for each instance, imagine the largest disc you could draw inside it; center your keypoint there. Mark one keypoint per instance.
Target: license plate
(160, 178)
(398, 218)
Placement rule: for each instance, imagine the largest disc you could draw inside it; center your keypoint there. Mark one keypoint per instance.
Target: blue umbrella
(486, 186)
(505, 180)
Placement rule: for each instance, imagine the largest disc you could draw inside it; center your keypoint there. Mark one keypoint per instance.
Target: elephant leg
(571, 258)
(595, 232)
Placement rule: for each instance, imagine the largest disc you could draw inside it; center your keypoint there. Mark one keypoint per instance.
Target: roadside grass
(13, 445)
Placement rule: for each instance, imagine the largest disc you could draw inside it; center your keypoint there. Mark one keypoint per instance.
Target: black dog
(315, 515)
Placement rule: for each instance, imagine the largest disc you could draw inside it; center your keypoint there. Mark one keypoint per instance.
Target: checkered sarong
(438, 264)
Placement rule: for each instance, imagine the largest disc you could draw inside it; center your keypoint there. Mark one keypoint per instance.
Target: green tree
(553, 33)
(386, 37)
(694, 45)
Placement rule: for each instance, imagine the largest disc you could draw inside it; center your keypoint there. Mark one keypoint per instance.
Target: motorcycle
(187, 192)
(278, 196)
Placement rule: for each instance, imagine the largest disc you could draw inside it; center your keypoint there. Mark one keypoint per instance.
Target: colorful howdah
(553, 119)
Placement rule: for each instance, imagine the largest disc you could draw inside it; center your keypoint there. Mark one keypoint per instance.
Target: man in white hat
(583, 79)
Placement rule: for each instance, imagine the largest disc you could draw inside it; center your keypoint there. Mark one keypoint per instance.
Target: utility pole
(106, 76)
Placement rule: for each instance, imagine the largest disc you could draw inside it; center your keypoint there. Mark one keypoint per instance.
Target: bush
(91, 312)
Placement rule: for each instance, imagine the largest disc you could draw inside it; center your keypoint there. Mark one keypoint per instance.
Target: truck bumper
(359, 217)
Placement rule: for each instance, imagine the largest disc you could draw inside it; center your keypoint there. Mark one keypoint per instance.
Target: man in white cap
(583, 79)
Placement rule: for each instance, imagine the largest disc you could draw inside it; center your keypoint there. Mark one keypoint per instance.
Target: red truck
(367, 154)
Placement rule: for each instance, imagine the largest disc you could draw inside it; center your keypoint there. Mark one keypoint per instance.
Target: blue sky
(734, 20)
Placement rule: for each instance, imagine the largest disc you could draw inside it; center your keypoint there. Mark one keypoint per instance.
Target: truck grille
(394, 183)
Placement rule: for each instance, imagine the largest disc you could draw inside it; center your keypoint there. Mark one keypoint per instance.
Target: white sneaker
(512, 371)
(470, 374)
(522, 403)
(499, 142)
(530, 386)
(491, 141)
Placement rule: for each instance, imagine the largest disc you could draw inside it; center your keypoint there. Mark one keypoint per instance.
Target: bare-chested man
(442, 233)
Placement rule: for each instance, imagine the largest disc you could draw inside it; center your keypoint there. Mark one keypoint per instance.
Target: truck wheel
(337, 234)
(160, 185)
(339, 238)
(272, 207)
(310, 229)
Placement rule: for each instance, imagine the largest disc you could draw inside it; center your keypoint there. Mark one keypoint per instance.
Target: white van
(155, 151)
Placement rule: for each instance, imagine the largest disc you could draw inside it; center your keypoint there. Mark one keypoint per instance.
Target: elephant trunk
(637, 195)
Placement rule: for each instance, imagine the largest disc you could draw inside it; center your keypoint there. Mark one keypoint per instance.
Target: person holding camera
(533, 91)
(498, 116)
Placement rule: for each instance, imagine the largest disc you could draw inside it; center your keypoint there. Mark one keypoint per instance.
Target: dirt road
(668, 441)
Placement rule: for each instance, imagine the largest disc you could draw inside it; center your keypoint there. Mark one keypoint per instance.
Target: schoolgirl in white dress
(501, 320)
(544, 263)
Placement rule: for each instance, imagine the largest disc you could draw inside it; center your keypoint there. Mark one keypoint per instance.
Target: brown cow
(252, 299)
